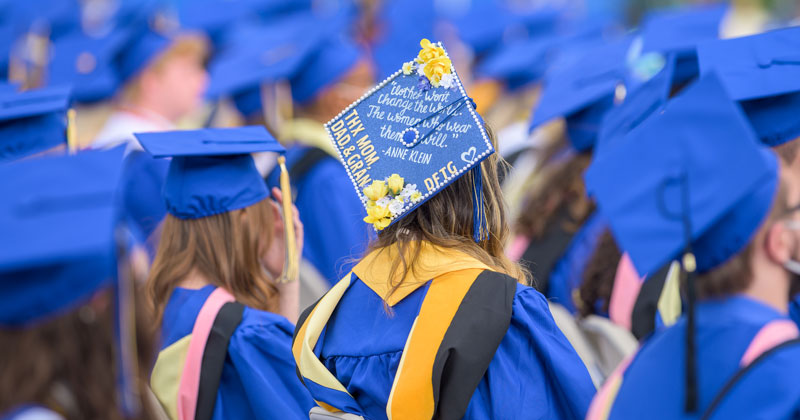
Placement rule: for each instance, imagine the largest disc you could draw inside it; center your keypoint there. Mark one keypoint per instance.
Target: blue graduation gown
(535, 373)
(653, 386)
(332, 215)
(567, 275)
(259, 379)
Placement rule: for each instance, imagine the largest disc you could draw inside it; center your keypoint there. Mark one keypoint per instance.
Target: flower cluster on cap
(386, 200)
(433, 67)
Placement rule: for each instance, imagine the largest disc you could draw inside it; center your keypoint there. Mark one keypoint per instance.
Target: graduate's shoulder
(263, 325)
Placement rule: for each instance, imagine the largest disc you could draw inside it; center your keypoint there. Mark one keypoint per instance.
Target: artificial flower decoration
(432, 66)
(379, 217)
(430, 51)
(376, 191)
(395, 184)
(386, 199)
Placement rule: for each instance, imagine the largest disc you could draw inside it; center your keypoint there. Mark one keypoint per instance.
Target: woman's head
(446, 220)
(226, 249)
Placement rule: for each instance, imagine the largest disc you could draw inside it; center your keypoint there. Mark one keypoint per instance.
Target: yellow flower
(437, 68)
(408, 68)
(376, 191)
(416, 196)
(378, 216)
(395, 183)
(429, 51)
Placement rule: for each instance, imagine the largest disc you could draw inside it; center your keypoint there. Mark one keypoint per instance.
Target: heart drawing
(469, 155)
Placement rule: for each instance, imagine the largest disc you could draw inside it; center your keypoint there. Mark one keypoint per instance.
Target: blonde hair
(225, 248)
(446, 220)
(184, 45)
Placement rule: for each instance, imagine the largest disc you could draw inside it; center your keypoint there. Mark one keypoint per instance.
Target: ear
(778, 243)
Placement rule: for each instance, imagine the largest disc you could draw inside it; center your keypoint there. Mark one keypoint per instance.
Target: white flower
(408, 68)
(408, 189)
(420, 72)
(395, 207)
(383, 202)
(448, 80)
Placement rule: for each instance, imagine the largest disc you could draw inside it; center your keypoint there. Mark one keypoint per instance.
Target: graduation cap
(212, 172)
(697, 183)
(145, 45)
(488, 24)
(639, 104)
(33, 121)
(411, 136)
(62, 243)
(583, 89)
(762, 72)
(86, 63)
(677, 31)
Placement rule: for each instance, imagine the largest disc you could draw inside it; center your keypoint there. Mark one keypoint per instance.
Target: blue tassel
(479, 228)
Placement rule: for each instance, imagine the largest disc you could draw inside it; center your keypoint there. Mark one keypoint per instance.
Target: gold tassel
(292, 263)
(72, 132)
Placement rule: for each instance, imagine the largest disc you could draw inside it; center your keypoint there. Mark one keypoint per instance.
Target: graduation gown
(531, 371)
(653, 384)
(258, 377)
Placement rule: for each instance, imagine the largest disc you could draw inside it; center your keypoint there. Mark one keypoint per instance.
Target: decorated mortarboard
(33, 121)
(85, 63)
(212, 172)
(411, 136)
(696, 168)
(762, 72)
(582, 90)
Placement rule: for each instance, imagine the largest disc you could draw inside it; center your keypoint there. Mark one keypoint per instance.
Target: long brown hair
(446, 220)
(558, 187)
(599, 275)
(75, 353)
(225, 248)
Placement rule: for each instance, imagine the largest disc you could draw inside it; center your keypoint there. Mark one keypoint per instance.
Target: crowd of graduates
(341, 209)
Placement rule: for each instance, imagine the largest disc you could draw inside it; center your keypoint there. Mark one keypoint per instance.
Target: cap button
(85, 63)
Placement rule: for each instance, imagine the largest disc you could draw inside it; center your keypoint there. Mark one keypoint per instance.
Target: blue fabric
(32, 121)
(555, 383)
(212, 171)
(142, 182)
(567, 275)
(259, 379)
(676, 156)
(144, 47)
(654, 384)
(794, 309)
(332, 215)
(57, 246)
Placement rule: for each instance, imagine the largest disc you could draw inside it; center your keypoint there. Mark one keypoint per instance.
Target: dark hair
(558, 187)
(74, 352)
(736, 274)
(445, 220)
(598, 276)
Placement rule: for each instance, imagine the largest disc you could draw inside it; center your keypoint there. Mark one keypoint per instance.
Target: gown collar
(374, 270)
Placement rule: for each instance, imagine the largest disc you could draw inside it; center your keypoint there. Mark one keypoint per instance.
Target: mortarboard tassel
(127, 359)
(292, 262)
(479, 225)
(689, 265)
(72, 132)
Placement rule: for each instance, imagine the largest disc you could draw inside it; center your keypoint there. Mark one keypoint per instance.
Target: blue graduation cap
(410, 137)
(57, 219)
(144, 46)
(583, 90)
(62, 242)
(32, 122)
(85, 63)
(762, 72)
(639, 104)
(487, 24)
(694, 169)
(211, 171)
(678, 31)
